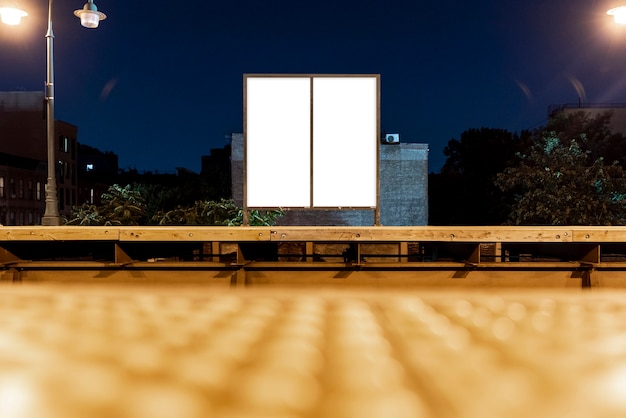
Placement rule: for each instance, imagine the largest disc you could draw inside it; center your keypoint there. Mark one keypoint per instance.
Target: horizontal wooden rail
(418, 255)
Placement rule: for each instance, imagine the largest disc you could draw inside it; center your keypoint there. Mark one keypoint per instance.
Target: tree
(598, 139)
(561, 183)
(464, 192)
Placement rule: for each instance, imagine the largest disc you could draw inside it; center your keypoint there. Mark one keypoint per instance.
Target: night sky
(161, 83)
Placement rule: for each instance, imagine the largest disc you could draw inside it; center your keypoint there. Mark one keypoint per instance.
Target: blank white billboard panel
(278, 142)
(311, 141)
(345, 154)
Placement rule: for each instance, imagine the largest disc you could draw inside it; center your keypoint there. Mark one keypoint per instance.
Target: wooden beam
(423, 233)
(194, 233)
(47, 233)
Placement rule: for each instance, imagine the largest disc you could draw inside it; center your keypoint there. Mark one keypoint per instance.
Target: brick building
(23, 159)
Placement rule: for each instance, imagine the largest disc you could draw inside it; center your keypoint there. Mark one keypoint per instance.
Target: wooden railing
(307, 255)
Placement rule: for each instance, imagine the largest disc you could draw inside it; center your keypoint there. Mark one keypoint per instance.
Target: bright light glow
(345, 141)
(278, 143)
(89, 15)
(284, 135)
(619, 14)
(16, 396)
(11, 16)
(89, 19)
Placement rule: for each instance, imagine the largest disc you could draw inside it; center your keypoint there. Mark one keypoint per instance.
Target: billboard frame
(248, 167)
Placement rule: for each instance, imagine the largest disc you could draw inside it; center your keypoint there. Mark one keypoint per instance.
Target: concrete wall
(403, 189)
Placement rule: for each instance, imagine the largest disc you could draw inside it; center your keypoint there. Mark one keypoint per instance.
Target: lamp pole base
(51, 220)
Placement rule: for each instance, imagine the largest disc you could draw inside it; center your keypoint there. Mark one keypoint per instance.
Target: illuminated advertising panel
(278, 142)
(311, 141)
(345, 141)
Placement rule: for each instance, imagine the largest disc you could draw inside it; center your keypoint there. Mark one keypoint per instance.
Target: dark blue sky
(160, 83)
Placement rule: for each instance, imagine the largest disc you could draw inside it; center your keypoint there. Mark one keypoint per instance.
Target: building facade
(618, 111)
(403, 189)
(96, 171)
(23, 159)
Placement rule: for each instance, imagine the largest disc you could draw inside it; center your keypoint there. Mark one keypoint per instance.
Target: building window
(20, 188)
(2, 187)
(12, 189)
(38, 191)
(60, 170)
(31, 193)
(64, 144)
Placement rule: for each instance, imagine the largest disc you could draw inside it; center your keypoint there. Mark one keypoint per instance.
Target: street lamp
(90, 17)
(619, 14)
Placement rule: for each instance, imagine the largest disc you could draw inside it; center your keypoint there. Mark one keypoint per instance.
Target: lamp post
(90, 17)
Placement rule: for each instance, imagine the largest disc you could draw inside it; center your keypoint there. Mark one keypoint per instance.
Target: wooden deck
(433, 256)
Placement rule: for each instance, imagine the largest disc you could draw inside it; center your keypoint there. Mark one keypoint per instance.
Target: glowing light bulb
(619, 14)
(11, 16)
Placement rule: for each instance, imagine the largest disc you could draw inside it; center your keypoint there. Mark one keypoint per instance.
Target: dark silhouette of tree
(215, 178)
(464, 192)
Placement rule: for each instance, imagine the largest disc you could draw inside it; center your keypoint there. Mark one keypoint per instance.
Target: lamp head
(619, 14)
(89, 15)
(11, 16)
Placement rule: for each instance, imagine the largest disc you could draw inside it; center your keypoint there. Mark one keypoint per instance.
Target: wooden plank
(47, 233)
(404, 251)
(308, 250)
(592, 255)
(423, 233)
(426, 279)
(120, 256)
(7, 257)
(215, 251)
(318, 234)
(599, 234)
(194, 233)
(142, 276)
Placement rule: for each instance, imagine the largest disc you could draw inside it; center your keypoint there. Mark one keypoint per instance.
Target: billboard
(311, 141)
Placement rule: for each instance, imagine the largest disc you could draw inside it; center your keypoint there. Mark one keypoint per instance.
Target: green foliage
(257, 217)
(85, 215)
(592, 133)
(222, 212)
(120, 206)
(126, 206)
(558, 182)
(570, 171)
